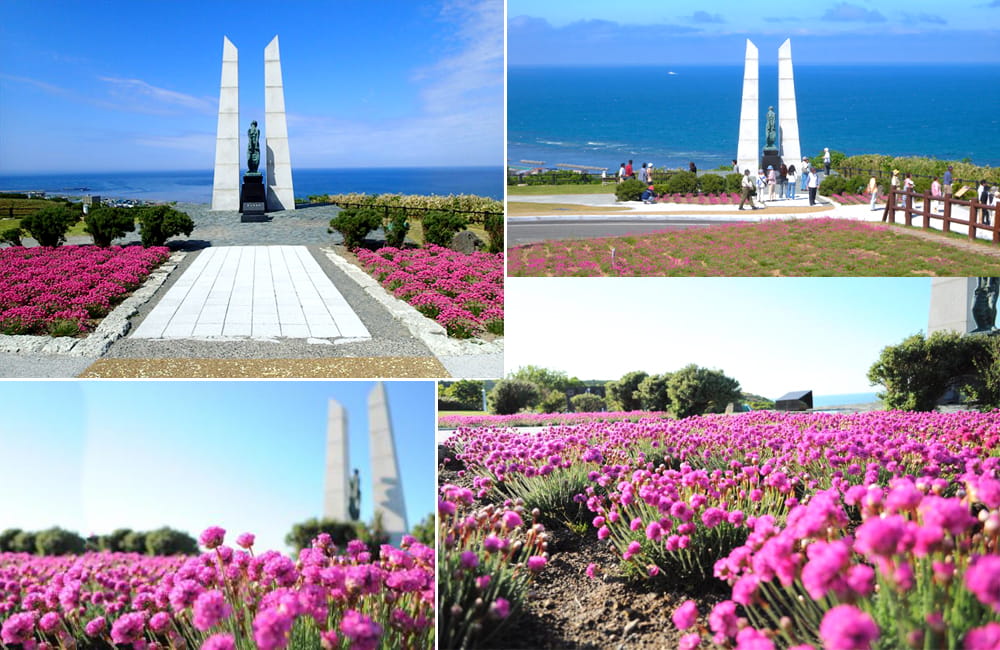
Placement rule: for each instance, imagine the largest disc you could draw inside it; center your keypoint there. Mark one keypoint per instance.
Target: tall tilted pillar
(788, 116)
(748, 149)
(280, 195)
(336, 494)
(226, 185)
(951, 305)
(387, 491)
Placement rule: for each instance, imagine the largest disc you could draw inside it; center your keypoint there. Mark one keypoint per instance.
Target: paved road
(529, 232)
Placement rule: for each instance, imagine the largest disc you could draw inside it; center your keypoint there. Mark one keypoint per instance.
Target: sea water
(670, 116)
(196, 186)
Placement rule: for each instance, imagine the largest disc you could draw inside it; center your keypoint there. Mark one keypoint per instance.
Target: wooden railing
(978, 212)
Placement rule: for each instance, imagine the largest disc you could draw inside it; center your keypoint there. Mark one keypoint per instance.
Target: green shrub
(441, 225)
(734, 183)
(355, 223)
(836, 160)
(623, 395)
(161, 222)
(396, 227)
(695, 391)
(712, 184)
(467, 393)
(134, 542)
(629, 190)
(340, 532)
(426, 531)
(24, 542)
(114, 541)
(56, 541)
(587, 403)
(553, 401)
(11, 235)
(107, 224)
(681, 183)
(652, 393)
(494, 224)
(833, 185)
(167, 541)
(7, 539)
(48, 226)
(511, 396)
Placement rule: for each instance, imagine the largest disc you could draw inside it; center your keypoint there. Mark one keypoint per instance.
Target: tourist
(985, 197)
(894, 187)
(792, 177)
(736, 166)
(947, 181)
(621, 174)
(772, 180)
(628, 170)
(872, 189)
(826, 159)
(642, 174)
(813, 185)
(761, 185)
(805, 172)
(782, 180)
(649, 173)
(936, 193)
(692, 168)
(648, 195)
(746, 187)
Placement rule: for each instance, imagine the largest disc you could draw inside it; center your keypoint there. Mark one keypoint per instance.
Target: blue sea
(603, 116)
(196, 186)
(846, 399)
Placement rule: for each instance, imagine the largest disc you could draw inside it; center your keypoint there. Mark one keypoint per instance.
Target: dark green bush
(355, 223)
(441, 225)
(167, 541)
(426, 531)
(7, 539)
(493, 224)
(56, 541)
(587, 403)
(833, 185)
(733, 183)
(693, 390)
(681, 183)
(836, 159)
(24, 542)
(48, 226)
(712, 184)
(340, 532)
(630, 190)
(11, 235)
(553, 401)
(107, 224)
(396, 227)
(134, 542)
(161, 222)
(114, 541)
(510, 396)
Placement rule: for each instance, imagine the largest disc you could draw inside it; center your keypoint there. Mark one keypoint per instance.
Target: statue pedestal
(770, 157)
(252, 197)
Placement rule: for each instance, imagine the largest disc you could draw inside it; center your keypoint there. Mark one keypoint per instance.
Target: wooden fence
(903, 201)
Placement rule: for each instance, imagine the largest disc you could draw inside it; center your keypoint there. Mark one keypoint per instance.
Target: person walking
(947, 181)
(772, 181)
(826, 159)
(792, 178)
(692, 167)
(746, 190)
(782, 180)
(873, 190)
(985, 198)
(761, 186)
(642, 174)
(813, 185)
(621, 174)
(894, 186)
(629, 173)
(936, 194)
(805, 172)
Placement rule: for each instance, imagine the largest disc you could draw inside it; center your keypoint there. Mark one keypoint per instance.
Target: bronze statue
(772, 134)
(253, 148)
(354, 499)
(984, 304)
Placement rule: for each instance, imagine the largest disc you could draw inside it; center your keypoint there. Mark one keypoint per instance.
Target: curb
(111, 328)
(429, 332)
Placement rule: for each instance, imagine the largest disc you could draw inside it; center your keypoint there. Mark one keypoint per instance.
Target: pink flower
(591, 570)
(751, 639)
(511, 519)
(536, 563)
(209, 609)
(500, 608)
(49, 622)
(689, 641)
(685, 615)
(361, 630)
(469, 559)
(94, 627)
(271, 628)
(983, 579)
(212, 537)
(723, 619)
(845, 627)
(604, 532)
(633, 548)
(986, 637)
(128, 628)
(19, 628)
(219, 642)
(245, 540)
(159, 622)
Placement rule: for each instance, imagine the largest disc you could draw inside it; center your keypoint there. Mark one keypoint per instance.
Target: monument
(342, 499)
(964, 305)
(227, 193)
(782, 130)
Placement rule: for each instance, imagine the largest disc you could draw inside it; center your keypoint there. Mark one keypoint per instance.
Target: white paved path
(253, 292)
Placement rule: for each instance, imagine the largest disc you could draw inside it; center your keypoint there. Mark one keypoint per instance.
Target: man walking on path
(826, 159)
(746, 185)
(813, 185)
(947, 181)
(805, 172)
(628, 170)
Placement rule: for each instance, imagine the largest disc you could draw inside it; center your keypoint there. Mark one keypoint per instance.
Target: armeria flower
(845, 627)
(983, 579)
(986, 637)
(209, 609)
(723, 619)
(271, 628)
(752, 639)
(536, 563)
(49, 622)
(511, 519)
(96, 626)
(633, 548)
(159, 622)
(500, 608)
(591, 570)
(219, 642)
(245, 540)
(19, 628)
(689, 641)
(129, 628)
(685, 615)
(469, 559)
(361, 630)
(212, 537)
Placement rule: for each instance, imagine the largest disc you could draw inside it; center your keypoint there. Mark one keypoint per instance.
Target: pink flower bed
(851, 199)
(542, 419)
(873, 528)
(222, 599)
(68, 286)
(725, 198)
(462, 292)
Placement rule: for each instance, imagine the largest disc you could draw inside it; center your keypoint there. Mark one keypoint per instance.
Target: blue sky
(772, 335)
(824, 32)
(122, 85)
(92, 456)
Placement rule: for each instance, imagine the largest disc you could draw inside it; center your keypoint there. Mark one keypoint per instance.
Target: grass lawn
(520, 208)
(416, 232)
(821, 247)
(583, 188)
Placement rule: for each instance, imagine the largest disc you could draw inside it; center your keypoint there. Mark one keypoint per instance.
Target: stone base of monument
(770, 157)
(252, 198)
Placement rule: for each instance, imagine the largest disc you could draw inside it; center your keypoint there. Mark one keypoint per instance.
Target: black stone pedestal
(252, 198)
(770, 157)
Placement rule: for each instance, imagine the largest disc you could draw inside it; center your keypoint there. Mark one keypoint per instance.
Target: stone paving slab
(254, 292)
(336, 367)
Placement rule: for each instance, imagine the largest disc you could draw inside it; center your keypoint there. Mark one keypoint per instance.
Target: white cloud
(138, 93)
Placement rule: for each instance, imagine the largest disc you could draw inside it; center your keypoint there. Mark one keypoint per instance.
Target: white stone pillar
(226, 184)
(788, 116)
(387, 489)
(280, 195)
(748, 149)
(337, 490)
(951, 305)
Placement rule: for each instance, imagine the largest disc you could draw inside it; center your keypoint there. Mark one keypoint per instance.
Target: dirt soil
(568, 609)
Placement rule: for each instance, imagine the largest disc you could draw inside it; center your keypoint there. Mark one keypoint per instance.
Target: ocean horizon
(196, 186)
(672, 115)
